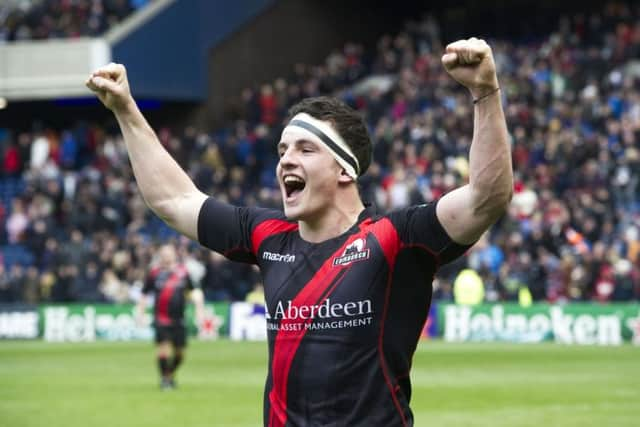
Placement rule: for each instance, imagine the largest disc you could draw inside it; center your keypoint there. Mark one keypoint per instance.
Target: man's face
(308, 175)
(168, 256)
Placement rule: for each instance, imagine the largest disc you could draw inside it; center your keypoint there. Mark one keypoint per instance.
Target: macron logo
(271, 256)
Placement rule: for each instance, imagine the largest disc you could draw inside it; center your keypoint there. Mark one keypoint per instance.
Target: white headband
(324, 133)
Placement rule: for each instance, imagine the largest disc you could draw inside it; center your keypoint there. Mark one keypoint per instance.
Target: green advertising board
(576, 323)
(588, 324)
(78, 322)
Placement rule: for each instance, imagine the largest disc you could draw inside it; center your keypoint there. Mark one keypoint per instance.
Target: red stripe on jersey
(267, 228)
(389, 241)
(315, 292)
(387, 236)
(168, 289)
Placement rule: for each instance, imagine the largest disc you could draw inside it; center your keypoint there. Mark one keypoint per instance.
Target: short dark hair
(346, 121)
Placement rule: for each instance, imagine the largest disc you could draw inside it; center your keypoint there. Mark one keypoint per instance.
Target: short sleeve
(229, 229)
(419, 226)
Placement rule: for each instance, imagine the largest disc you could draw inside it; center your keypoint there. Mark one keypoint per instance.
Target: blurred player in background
(347, 290)
(169, 282)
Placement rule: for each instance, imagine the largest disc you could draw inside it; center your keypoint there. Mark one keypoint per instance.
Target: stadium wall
(166, 57)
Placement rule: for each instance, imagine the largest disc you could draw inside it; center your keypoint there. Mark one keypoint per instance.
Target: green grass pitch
(220, 384)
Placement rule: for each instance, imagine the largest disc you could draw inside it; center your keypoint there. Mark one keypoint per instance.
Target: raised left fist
(471, 63)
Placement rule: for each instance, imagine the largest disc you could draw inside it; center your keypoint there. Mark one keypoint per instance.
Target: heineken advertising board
(18, 322)
(75, 323)
(589, 324)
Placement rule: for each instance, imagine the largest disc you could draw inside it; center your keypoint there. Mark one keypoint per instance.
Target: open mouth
(293, 185)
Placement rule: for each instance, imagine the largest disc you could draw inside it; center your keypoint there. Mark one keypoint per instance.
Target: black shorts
(177, 334)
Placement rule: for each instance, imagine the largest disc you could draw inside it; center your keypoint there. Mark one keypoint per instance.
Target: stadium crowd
(74, 227)
(48, 19)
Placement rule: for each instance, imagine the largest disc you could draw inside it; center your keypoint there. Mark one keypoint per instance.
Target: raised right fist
(111, 86)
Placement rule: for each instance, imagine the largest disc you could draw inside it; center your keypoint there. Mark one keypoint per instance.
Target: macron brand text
(272, 256)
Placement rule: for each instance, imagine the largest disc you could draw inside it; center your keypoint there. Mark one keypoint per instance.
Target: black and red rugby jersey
(169, 288)
(343, 316)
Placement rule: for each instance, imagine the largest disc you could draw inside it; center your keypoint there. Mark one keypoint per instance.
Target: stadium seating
(572, 101)
(44, 19)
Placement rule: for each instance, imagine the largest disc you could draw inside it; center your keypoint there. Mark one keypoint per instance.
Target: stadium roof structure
(164, 46)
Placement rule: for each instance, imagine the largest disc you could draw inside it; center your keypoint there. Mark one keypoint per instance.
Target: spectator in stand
(45, 19)
(12, 163)
(17, 222)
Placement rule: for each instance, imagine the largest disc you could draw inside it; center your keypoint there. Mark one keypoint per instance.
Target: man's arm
(165, 187)
(141, 307)
(197, 297)
(468, 211)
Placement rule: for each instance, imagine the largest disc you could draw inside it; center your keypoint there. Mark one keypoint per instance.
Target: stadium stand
(46, 19)
(74, 227)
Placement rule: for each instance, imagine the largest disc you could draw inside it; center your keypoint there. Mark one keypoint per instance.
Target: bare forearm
(197, 296)
(160, 179)
(166, 188)
(141, 305)
(467, 212)
(491, 178)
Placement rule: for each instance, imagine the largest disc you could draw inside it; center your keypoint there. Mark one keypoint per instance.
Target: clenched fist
(111, 86)
(471, 63)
